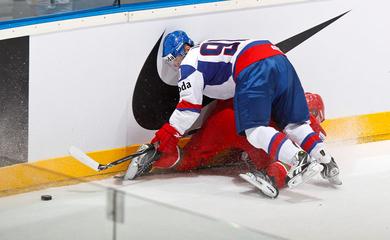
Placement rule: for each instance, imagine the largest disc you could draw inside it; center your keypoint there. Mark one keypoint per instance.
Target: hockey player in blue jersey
(264, 85)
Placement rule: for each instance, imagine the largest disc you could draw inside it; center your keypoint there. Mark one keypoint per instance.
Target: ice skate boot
(303, 169)
(262, 181)
(331, 172)
(143, 163)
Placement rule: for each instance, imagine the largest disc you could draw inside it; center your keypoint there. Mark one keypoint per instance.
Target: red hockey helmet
(316, 106)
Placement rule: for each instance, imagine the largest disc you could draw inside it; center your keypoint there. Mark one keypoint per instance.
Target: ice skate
(262, 181)
(141, 164)
(331, 172)
(303, 170)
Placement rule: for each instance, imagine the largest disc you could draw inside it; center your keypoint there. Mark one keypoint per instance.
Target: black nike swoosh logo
(154, 101)
(296, 40)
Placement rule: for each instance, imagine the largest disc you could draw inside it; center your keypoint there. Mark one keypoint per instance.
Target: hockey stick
(89, 162)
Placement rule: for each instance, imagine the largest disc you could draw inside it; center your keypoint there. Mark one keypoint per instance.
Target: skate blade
(312, 170)
(262, 185)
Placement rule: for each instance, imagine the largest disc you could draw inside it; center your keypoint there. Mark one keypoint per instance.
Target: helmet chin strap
(169, 58)
(174, 61)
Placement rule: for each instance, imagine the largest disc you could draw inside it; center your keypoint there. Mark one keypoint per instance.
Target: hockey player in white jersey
(263, 84)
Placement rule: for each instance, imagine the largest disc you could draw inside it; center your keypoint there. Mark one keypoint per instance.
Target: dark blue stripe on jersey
(185, 71)
(215, 73)
(226, 40)
(188, 109)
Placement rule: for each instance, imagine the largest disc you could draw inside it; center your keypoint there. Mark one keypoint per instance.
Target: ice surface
(359, 209)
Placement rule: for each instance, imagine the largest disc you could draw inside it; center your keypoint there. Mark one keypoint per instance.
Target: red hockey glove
(168, 137)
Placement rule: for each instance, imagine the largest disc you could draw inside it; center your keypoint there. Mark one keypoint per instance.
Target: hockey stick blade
(84, 158)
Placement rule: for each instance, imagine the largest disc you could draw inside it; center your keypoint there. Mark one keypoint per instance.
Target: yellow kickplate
(66, 170)
(362, 128)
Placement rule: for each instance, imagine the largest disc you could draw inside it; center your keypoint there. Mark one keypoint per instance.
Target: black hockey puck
(46, 197)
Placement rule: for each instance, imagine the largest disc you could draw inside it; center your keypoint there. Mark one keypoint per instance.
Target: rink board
(82, 80)
(66, 170)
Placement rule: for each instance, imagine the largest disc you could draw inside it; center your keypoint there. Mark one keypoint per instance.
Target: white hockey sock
(287, 152)
(310, 141)
(273, 142)
(298, 132)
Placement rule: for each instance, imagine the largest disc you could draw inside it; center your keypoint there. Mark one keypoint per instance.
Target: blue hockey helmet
(174, 43)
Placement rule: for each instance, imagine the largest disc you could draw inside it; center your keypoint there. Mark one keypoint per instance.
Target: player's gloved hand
(167, 137)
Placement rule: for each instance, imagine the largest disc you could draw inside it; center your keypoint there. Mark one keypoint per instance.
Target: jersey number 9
(217, 48)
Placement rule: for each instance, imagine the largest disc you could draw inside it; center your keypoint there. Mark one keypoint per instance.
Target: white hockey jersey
(207, 70)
